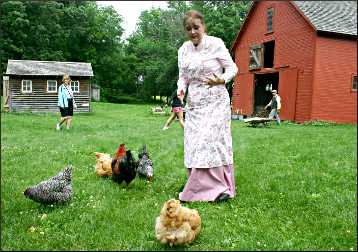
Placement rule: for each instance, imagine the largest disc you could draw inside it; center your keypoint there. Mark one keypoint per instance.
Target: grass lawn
(296, 185)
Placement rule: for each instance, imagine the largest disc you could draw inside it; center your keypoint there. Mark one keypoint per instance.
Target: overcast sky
(130, 11)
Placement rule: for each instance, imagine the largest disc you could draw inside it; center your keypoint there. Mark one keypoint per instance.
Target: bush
(124, 99)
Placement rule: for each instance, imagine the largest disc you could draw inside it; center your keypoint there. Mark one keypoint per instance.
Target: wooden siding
(42, 101)
(335, 64)
(287, 90)
(294, 48)
(245, 87)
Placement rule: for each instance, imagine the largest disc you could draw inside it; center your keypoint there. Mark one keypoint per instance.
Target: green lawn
(296, 185)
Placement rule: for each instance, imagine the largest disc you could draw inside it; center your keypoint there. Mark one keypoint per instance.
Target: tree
(14, 25)
(64, 31)
(67, 30)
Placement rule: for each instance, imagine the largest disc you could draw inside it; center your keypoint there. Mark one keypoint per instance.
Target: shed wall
(42, 101)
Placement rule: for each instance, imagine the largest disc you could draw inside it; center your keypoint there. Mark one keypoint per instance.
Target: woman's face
(67, 79)
(195, 30)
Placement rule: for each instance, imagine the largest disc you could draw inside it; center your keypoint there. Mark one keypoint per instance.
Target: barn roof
(327, 16)
(331, 16)
(48, 68)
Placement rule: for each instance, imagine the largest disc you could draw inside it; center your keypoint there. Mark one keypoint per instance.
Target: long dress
(208, 153)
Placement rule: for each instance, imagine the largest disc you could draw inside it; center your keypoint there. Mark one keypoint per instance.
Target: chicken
(57, 189)
(121, 152)
(176, 224)
(124, 167)
(103, 164)
(145, 165)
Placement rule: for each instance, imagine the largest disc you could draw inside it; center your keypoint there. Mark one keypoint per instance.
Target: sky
(130, 11)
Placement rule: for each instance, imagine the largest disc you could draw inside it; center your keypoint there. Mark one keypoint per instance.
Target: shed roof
(331, 16)
(48, 68)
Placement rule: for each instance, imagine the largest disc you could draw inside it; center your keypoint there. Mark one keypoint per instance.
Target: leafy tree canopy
(144, 65)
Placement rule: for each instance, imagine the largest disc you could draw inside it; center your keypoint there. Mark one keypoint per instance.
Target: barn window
(354, 83)
(269, 52)
(51, 86)
(255, 57)
(26, 86)
(75, 86)
(269, 19)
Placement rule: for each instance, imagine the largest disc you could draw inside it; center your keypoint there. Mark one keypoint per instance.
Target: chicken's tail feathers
(129, 154)
(68, 172)
(143, 151)
(69, 168)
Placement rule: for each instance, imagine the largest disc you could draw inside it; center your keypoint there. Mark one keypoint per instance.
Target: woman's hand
(214, 81)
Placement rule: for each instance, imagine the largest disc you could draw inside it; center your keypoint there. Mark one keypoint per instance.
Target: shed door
(287, 91)
(246, 93)
(6, 91)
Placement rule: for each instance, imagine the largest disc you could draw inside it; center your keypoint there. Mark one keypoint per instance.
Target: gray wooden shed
(95, 92)
(31, 86)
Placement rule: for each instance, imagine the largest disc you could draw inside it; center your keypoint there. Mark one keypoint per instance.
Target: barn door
(287, 91)
(245, 83)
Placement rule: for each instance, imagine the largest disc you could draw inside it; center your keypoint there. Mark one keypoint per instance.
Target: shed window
(75, 86)
(26, 86)
(51, 86)
(354, 83)
(269, 19)
(255, 57)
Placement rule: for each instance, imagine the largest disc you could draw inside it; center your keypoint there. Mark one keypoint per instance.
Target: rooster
(145, 165)
(120, 153)
(123, 166)
(104, 161)
(57, 189)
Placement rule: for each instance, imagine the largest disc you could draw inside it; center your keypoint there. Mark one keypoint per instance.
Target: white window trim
(51, 91)
(22, 87)
(73, 90)
(256, 48)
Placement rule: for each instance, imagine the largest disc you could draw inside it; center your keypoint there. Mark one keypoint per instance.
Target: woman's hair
(193, 14)
(65, 76)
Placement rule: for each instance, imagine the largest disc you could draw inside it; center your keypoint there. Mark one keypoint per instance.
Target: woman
(66, 102)
(177, 111)
(208, 153)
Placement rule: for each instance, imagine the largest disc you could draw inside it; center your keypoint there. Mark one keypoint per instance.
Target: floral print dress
(207, 132)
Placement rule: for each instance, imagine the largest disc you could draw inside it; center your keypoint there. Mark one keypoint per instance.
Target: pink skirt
(206, 184)
(177, 109)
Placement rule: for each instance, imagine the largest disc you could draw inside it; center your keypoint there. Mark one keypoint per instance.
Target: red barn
(307, 50)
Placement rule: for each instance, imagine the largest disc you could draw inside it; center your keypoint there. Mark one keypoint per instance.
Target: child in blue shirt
(66, 102)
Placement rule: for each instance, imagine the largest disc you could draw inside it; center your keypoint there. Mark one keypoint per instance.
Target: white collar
(201, 45)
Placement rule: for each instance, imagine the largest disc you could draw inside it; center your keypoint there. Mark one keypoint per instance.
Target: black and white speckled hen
(124, 167)
(145, 165)
(57, 189)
